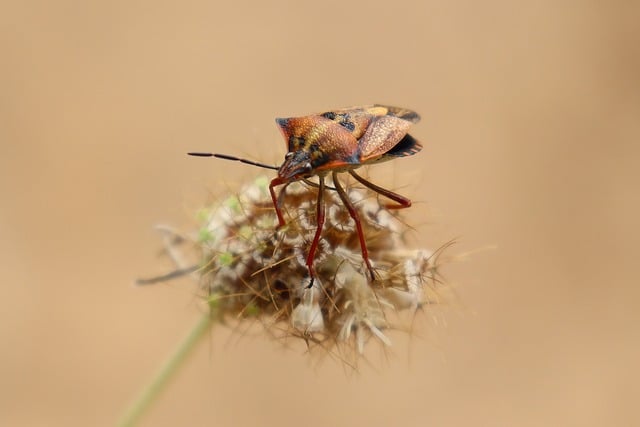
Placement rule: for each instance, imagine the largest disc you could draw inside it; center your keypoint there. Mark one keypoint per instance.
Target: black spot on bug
(342, 119)
(317, 156)
(354, 159)
(347, 124)
(410, 116)
(296, 143)
(282, 122)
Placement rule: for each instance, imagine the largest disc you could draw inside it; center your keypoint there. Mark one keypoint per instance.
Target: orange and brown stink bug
(339, 141)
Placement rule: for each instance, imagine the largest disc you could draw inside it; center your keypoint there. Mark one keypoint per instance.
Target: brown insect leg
(281, 195)
(314, 185)
(402, 201)
(319, 224)
(356, 218)
(276, 199)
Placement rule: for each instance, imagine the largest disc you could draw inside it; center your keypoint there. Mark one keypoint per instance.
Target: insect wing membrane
(402, 113)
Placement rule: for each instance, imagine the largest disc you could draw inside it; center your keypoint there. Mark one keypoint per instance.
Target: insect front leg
(356, 218)
(402, 201)
(320, 211)
(276, 199)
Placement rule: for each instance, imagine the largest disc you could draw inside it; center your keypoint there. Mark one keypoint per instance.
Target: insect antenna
(252, 163)
(235, 159)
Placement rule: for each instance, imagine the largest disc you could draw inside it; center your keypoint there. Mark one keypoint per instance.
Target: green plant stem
(151, 392)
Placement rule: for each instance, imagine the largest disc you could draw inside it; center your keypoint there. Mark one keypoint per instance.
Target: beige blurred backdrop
(530, 126)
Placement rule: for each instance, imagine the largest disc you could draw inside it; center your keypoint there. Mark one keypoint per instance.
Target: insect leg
(402, 201)
(276, 199)
(314, 185)
(281, 195)
(356, 218)
(319, 224)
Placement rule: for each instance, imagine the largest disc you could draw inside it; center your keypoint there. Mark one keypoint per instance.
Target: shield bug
(335, 142)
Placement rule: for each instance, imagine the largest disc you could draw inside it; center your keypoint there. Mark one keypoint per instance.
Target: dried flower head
(249, 268)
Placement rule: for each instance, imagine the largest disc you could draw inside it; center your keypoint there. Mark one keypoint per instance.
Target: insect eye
(307, 166)
(288, 155)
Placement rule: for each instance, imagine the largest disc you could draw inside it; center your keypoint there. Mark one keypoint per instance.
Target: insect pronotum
(335, 142)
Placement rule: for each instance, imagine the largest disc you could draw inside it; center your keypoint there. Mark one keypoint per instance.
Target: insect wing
(382, 135)
(378, 128)
(408, 146)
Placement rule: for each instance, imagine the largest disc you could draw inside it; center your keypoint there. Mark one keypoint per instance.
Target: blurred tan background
(530, 126)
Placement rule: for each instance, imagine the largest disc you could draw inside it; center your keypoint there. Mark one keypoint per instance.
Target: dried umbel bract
(251, 267)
